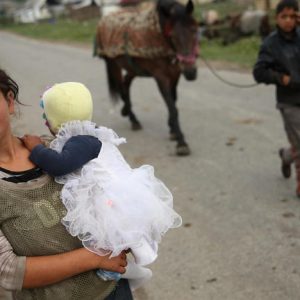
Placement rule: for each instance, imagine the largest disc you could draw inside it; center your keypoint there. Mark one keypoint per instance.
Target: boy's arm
(263, 71)
(77, 151)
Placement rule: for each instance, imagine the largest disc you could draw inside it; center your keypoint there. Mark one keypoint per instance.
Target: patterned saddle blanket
(132, 31)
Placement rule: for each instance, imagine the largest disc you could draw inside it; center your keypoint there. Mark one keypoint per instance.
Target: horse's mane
(171, 9)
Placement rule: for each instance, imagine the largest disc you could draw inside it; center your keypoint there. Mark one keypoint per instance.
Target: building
(32, 11)
(7, 8)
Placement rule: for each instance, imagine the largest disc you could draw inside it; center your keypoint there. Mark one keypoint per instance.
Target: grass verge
(63, 30)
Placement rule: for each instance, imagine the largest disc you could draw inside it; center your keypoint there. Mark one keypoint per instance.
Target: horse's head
(181, 31)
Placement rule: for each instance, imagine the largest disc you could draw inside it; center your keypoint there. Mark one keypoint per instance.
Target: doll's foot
(137, 275)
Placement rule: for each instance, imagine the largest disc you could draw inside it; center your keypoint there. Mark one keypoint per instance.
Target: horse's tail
(113, 74)
(95, 46)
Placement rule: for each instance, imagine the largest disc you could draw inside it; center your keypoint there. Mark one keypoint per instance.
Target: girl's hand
(31, 141)
(115, 264)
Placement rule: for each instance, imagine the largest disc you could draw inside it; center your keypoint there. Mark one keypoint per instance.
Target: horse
(163, 45)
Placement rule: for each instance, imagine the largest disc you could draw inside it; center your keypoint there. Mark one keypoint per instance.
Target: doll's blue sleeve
(77, 151)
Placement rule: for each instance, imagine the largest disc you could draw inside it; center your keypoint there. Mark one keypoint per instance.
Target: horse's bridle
(189, 59)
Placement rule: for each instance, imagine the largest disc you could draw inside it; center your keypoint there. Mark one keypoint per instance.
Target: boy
(279, 63)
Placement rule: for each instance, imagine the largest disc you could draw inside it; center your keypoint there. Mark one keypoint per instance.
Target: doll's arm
(77, 151)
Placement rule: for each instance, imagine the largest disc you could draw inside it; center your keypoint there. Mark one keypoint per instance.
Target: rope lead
(225, 80)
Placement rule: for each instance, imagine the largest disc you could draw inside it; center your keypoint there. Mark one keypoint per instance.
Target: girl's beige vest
(30, 219)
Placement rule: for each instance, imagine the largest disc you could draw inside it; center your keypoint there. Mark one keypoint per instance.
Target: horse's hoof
(136, 126)
(183, 150)
(124, 112)
(173, 137)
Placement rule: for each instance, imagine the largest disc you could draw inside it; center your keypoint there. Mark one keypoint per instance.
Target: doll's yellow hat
(67, 101)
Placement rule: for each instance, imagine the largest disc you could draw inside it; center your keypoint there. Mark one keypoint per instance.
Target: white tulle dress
(111, 206)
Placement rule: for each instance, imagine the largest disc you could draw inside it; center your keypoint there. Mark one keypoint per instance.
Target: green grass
(63, 30)
(243, 52)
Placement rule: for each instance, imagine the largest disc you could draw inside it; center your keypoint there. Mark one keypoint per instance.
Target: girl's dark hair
(8, 84)
(287, 4)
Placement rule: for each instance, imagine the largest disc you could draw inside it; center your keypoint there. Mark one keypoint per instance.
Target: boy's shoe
(286, 167)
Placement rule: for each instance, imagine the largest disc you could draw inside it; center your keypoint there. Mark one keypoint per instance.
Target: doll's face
(287, 19)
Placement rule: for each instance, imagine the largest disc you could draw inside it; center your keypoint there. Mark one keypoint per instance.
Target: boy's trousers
(291, 120)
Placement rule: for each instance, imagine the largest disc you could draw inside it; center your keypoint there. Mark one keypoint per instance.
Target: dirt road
(241, 234)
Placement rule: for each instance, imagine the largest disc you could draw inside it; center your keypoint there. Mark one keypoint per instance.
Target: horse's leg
(125, 95)
(114, 78)
(173, 136)
(168, 90)
(119, 87)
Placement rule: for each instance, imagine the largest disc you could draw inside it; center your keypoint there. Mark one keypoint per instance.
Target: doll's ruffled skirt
(122, 209)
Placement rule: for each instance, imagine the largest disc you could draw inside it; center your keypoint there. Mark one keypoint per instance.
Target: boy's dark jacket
(279, 55)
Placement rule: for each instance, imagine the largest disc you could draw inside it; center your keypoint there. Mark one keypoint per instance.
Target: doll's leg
(145, 253)
(137, 275)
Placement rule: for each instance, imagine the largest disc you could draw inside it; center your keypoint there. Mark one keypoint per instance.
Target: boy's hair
(8, 84)
(287, 4)
(67, 101)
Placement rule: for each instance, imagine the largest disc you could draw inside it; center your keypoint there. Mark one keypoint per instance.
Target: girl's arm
(17, 272)
(12, 267)
(45, 270)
